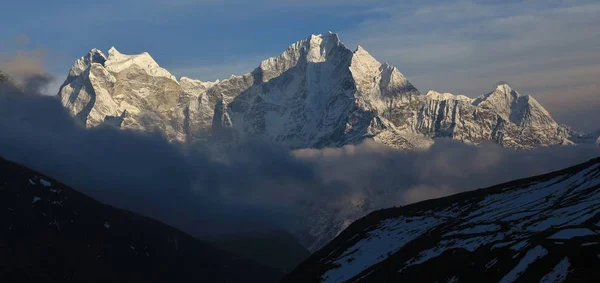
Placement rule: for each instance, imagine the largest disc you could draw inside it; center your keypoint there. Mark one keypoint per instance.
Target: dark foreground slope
(278, 248)
(51, 233)
(540, 229)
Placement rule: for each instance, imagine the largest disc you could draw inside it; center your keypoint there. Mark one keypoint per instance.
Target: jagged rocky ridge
(540, 229)
(51, 233)
(318, 93)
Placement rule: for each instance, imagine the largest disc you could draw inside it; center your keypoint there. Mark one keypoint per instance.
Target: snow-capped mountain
(130, 91)
(540, 229)
(503, 116)
(317, 93)
(52, 233)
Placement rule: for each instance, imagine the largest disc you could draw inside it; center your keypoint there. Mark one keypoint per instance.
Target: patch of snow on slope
(476, 230)
(391, 236)
(45, 183)
(559, 273)
(519, 246)
(572, 233)
(531, 256)
(469, 244)
(527, 200)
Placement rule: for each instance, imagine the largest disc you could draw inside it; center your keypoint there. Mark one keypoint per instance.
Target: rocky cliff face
(317, 93)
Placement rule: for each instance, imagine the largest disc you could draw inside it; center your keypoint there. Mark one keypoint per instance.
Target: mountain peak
(503, 94)
(361, 50)
(113, 51)
(329, 35)
(93, 56)
(367, 60)
(319, 46)
(505, 88)
(515, 107)
(316, 48)
(319, 39)
(118, 62)
(95, 52)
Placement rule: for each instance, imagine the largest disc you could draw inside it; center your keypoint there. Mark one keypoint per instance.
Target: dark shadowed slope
(540, 229)
(278, 249)
(51, 233)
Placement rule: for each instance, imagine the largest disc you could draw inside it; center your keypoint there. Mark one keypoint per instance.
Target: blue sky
(545, 48)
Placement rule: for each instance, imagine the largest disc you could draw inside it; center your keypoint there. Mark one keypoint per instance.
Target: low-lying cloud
(448, 167)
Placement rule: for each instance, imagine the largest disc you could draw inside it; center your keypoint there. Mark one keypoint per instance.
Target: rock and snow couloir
(317, 93)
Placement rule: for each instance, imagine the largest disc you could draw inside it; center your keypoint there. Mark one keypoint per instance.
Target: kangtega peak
(317, 93)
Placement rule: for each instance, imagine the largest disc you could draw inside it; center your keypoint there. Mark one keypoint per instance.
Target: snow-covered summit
(308, 96)
(93, 56)
(501, 99)
(515, 107)
(117, 62)
(504, 116)
(129, 91)
(314, 49)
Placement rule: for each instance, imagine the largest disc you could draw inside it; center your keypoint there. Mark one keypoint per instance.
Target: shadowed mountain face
(541, 229)
(317, 93)
(51, 233)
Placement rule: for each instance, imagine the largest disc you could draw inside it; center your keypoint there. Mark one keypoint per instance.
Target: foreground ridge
(540, 229)
(52, 233)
